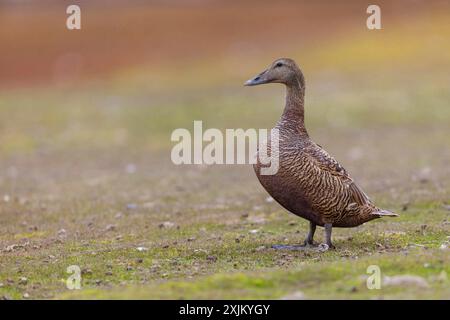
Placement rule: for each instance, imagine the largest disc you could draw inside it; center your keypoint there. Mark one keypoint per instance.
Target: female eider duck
(309, 182)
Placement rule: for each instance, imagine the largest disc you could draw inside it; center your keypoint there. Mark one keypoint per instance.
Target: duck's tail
(384, 213)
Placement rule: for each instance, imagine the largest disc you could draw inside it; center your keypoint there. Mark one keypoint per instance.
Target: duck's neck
(293, 117)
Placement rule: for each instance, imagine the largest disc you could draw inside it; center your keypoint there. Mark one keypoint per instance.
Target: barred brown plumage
(310, 183)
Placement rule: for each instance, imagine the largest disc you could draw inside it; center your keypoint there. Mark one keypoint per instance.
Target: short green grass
(224, 260)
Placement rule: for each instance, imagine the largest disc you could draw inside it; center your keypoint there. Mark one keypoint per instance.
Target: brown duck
(309, 182)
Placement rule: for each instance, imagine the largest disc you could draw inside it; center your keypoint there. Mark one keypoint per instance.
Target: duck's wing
(327, 163)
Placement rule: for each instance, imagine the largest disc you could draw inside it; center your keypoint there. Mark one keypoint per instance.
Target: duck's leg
(310, 238)
(306, 244)
(328, 227)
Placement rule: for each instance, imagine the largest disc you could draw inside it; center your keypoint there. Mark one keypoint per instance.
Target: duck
(309, 182)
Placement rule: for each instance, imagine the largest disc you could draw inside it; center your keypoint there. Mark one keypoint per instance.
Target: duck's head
(282, 70)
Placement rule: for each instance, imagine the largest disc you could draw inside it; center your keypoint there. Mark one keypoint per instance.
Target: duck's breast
(284, 187)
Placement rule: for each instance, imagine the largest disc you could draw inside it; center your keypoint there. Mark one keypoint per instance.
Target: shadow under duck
(309, 182)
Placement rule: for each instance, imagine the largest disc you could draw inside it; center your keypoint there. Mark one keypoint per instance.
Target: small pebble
(297, 295)
(132, 206)
(405, 280)
(85, 271)
(110, 227)
(166, 224)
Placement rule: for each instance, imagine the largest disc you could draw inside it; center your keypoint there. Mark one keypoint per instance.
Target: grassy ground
(86, 180)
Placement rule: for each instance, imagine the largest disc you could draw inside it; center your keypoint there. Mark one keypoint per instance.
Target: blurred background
(136, 71)
(140, 69)
(86, 115)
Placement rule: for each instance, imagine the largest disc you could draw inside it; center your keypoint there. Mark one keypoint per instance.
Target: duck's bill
(259, 79)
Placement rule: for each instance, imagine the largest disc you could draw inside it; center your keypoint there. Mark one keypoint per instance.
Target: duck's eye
(279, 64)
